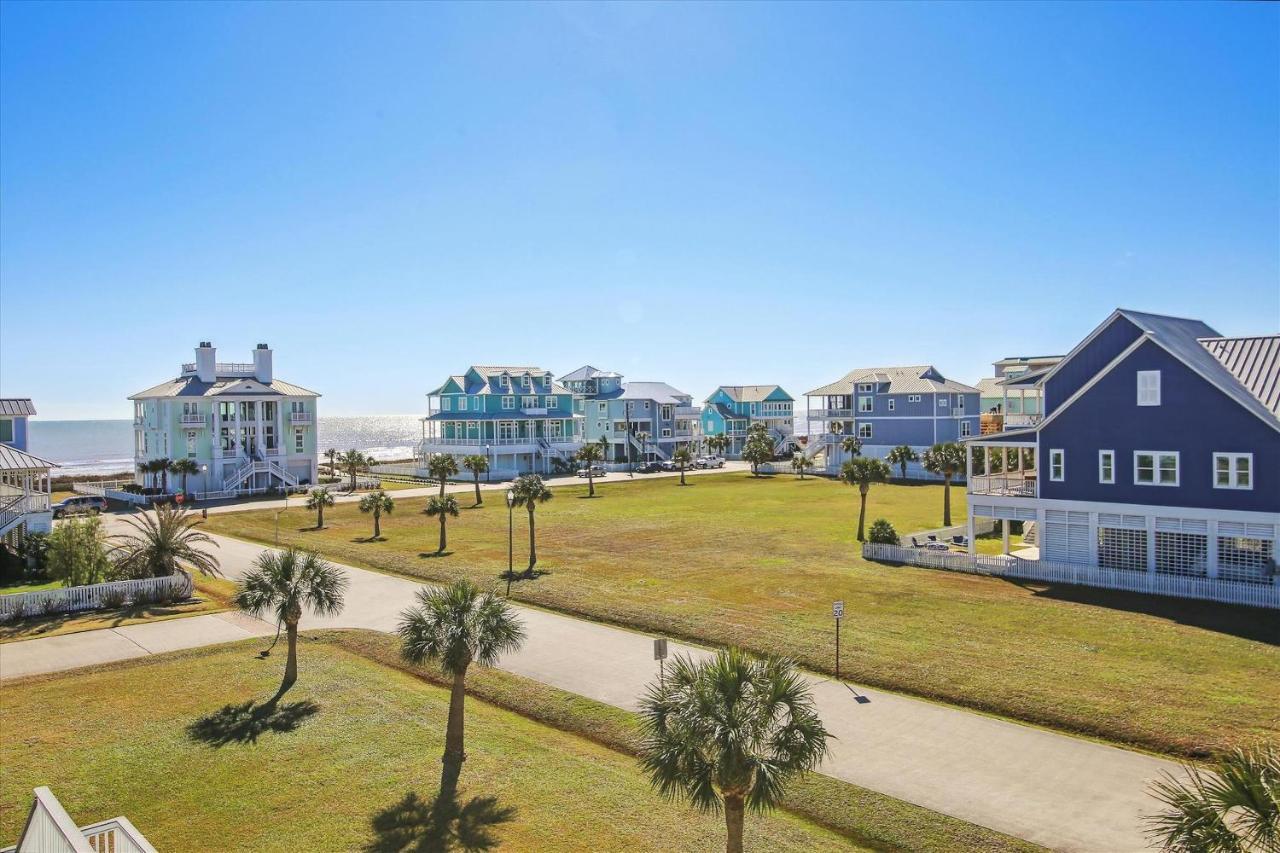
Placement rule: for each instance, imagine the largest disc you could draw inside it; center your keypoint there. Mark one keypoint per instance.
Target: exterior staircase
(14, 509)
(783, 442)
(259, 466)
(817, 444)
(1028, 532)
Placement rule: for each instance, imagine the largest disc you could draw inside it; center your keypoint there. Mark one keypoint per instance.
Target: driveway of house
(1062, 792)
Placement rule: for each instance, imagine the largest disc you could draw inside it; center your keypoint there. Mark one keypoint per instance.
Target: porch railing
(1019, 484)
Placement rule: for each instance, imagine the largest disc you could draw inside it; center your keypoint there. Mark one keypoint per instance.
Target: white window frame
(1150, 394)
(529, 401)
(602, 408)
(866, 387)
(865, 430)
(446, 404)
(1156, 456)
(1057, 465)
(299, 440)
(893, 404)
(1233, 470)
(666, 432)
(1105, 458)
(667, 412)
(549, 401)
(944, 402)
(866, 405)
(913, 398)
(509, 402)
(965, 429)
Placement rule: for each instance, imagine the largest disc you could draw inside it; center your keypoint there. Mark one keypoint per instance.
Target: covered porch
(1002, 464)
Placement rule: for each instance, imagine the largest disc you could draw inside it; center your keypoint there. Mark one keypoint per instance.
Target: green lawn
(153, 740)
(19, 587)
(757, 562)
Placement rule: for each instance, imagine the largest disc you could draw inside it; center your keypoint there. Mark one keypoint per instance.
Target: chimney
(262, 364)
(206, 362)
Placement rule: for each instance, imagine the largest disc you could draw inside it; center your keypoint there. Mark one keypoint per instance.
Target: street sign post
(660, 655)
(837, 610)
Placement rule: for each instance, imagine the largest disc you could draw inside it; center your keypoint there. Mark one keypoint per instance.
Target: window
(864, 430)
(504, 381)
(602, 408)
(269, 436)
(965, 429)
(913, 398)
(1233, 470)
(298, 445)
(508, 402)
(527, 383)
(1057, 465)
(943, 402)
(1155, 468)
(866, 386)
(892, 404)
(667, 412)
(297, 406)
(247, 410)
(6, 429)
(1106, 466)
(550, 402)
(960, 402)
(191, 445)
(1148, 387)
(666, 433)
(268, 410)
(866, 404)
(528, 402)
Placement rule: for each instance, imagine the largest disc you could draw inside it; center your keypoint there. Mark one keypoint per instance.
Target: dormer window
(1148, 387)
(504, 380)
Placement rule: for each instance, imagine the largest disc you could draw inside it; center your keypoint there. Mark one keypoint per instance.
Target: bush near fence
(98, 596)
(1207, 589)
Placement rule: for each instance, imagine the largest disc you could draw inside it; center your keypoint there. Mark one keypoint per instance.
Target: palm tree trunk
(946, 500)
(682, 475)
(319, 516)
(476, 475)
(291, 666)
(353, 478)
(591, 484)
(533, 544)
(443, 536)
(454, 753)
(862, 513)
(377, 526)
(733, 814)
(443, 480)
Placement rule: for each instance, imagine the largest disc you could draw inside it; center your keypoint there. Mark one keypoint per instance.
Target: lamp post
(488, 464)
(511, 508)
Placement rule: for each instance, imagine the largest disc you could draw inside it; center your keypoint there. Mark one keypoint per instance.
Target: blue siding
(1084, 365)
(1194, 418)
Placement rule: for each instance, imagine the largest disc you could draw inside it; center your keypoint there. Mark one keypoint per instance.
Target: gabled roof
(1025, 359)
(191, 386)
(13, 459)
(660, 392)
(485, 379)
(752, 393)
(727, 413)
(1255, 364)
(16, 406)
(582, 373)
(916, 379)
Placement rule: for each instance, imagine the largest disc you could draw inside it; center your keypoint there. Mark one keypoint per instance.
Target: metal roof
(1254, 362)
(13, 459)
(191, 386)
(584, 372)
(16, 406)
(751, 393)
(915, 379)
(659, 392)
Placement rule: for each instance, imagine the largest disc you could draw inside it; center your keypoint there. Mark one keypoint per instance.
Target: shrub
(48, 605)
(882, 531)
(114, 598)
(77, 552)
(33, 550)
(18, 611)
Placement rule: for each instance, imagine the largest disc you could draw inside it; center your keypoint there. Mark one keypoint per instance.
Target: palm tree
(318, 499)
(946, 460)
(161, 467)
(529, 491)
(800, 463)
(332, 453)
(477, 464)
(683, 457)
(442, 466)
(900, 456)
(163, 540)
(456, 626)
(730, 733)
(353, 460)
(184, 468)
(144, 468)
(442, 506)
(377, 502)
(603, 441)
(862, 472)
(718, 444)
(1233, 808)
(282, 583)
(851, 445)
(589, 454)
(643, 438)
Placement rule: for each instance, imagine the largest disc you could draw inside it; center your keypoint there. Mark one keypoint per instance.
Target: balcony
(994, 422)
(688, 411)
(299, 417)
(1015, 484)
(196, 420)
(831, 414)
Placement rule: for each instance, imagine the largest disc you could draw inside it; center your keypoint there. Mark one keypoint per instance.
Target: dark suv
(80, 505)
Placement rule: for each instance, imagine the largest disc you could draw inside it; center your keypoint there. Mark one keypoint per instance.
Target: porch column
(1211, 556)
(1004, 534)
(971, 547)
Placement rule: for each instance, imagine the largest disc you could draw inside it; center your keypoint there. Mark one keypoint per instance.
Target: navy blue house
(1158, 451)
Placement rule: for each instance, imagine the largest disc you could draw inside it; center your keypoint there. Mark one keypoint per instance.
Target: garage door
(1066, 537)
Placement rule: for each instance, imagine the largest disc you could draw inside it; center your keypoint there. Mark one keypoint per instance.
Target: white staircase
(258, 466)
(1028, 532)
(817, 444)
(782, 442)
(15, 508)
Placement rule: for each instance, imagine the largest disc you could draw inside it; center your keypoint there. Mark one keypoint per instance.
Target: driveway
(1062, 792)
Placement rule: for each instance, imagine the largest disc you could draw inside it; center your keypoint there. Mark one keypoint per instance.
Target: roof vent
(263, 346)
(205, 344)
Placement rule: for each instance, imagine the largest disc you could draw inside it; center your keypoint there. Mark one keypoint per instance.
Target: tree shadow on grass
(246, 722)
(523, 574)
(427, 555)
(444, 824)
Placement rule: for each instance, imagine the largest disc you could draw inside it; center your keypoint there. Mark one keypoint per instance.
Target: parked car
(709, 462)
(80, 505)
(650, 468)
(596, 471)
(668, 465)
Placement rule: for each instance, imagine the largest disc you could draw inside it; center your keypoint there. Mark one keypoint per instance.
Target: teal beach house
(638, 421)
(732, 409)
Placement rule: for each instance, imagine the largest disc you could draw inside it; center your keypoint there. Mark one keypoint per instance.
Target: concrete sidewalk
(1052, 789)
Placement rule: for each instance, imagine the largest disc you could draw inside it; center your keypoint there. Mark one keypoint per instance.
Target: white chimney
(262, 364)
(206, 362)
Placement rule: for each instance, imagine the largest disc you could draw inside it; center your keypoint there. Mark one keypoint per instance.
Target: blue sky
(698, 194)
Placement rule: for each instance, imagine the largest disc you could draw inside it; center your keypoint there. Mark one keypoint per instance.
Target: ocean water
(106, 447)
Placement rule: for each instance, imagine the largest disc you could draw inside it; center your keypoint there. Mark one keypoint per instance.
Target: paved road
(1059, 791)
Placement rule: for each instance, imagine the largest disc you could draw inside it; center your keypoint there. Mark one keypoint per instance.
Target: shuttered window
(1148, 387)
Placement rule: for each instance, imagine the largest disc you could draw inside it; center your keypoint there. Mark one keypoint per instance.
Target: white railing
(96, 596)
(233, 368)
(1264, 594)
(688, 411)
(116, 835)
(842, 414)
(13, 509)
(193, 420)
(299, 417)
(1014, 484)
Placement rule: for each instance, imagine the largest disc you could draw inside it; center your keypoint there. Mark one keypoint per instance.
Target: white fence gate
(96, 596)
(1265, 594)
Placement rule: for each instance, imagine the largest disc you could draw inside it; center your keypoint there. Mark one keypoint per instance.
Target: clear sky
(697, 194)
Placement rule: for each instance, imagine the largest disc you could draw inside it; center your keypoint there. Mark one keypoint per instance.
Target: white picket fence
(1207, 589)
(174, 587)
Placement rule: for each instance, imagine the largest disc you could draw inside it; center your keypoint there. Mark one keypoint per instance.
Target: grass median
(731, 559)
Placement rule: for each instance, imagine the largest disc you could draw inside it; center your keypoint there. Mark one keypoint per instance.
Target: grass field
(757, 562)
(162, 742)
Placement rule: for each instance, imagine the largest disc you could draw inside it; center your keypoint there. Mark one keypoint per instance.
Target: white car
(709, 462)
(596, 471)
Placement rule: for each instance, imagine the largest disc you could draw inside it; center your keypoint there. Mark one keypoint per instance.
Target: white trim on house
(1156, 457)
(1148, 387)
(1233, 471)
(1058, 464)
(1107, 460)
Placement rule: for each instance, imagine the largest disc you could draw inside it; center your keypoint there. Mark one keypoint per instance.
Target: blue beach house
(24, 479)
(886, 407)
(732, 409)
(520, 418)
(1158, 452)
(637, 420)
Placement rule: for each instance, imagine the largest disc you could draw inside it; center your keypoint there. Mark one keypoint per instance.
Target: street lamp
(511, 508)
(488, 465)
